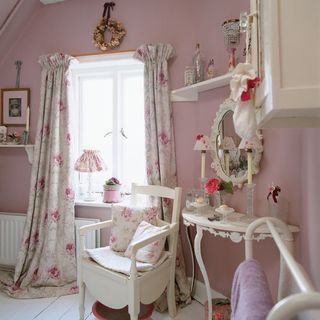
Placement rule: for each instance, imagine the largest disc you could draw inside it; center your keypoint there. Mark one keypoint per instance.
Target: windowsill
(98, 203)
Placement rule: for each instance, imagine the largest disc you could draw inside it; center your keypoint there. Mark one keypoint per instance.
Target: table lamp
(202, 144)
(90, 161)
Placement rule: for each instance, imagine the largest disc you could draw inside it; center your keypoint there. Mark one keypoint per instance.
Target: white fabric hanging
(243, 78)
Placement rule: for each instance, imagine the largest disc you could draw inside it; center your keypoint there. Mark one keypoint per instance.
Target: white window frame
(114, 65)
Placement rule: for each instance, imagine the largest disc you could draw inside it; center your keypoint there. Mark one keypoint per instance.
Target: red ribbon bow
(251, 83)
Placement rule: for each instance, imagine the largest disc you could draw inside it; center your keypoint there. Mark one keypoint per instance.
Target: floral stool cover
(221, 309)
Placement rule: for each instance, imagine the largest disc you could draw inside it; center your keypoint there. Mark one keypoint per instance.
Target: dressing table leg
(197, 246)
(192, 257)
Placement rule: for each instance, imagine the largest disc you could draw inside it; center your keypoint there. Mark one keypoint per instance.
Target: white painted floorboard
(66, 308)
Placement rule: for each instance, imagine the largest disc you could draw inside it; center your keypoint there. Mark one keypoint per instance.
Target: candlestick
(249, 217)
(27, 118)
(227, 162)
(203, 164)
(25, 137)
(249, 162)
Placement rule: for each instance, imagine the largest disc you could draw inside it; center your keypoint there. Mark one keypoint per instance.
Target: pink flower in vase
(274, 192)
(212, 185)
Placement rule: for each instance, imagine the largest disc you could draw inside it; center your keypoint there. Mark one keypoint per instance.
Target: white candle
(249, 160)
(27, 119)
(203, 163)
(227, 162)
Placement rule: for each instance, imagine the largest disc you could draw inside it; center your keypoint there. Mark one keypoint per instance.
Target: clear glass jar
(189, 75)
(189, 200)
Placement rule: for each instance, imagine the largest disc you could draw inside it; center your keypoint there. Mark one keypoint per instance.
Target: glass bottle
(210, 69)
(189, 200)
(198, 64)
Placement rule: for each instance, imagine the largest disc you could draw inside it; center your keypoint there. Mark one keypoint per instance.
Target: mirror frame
(229, 105)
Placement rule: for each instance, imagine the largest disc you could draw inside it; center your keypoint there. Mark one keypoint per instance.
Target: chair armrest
(142, 243)
(95, 226)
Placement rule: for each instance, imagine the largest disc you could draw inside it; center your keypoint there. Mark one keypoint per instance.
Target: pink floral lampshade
(90, 161)
(228, 144)
(254, 143)
(202, 143)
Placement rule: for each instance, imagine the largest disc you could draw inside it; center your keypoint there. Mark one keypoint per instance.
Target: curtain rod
(102, 53)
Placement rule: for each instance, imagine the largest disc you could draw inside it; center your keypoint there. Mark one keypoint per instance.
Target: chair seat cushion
(125, 222)
(116, 261)
(151, 252)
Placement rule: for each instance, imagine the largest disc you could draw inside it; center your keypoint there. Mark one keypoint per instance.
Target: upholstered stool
(102, 312)
(221, 309)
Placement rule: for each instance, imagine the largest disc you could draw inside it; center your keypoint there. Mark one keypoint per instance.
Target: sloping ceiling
(14, 14)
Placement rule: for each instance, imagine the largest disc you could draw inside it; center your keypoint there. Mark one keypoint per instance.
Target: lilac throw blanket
(250, 296)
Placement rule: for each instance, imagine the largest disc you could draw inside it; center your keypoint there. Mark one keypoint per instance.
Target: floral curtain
(160, 149)
(46, 263)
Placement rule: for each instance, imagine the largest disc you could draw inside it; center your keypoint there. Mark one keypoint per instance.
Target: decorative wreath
(115, 27)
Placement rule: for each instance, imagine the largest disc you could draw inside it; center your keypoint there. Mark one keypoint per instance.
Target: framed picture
(14, 104)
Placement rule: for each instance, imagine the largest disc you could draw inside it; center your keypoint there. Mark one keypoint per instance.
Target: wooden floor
(66, 308)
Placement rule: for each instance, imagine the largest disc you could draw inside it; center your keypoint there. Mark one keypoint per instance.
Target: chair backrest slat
(163, 192)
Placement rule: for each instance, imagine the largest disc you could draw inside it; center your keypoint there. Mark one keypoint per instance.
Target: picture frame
(14, 104)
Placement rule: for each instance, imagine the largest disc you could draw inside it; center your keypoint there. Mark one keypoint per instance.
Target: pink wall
(67, 27)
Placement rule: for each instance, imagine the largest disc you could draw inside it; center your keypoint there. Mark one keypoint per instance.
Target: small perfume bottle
(198, 64)
(210, 69)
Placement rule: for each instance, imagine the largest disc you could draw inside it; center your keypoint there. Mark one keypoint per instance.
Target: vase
(219, 198)
(279, 209)
(112, 193)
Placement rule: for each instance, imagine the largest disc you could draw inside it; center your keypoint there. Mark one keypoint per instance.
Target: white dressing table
(233, 228)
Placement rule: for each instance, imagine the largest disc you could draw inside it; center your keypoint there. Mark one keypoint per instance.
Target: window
(108, 101)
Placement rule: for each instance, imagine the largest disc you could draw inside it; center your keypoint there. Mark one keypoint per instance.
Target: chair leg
(134, 309)
(172, 309)
(82, 291)
(134, 315)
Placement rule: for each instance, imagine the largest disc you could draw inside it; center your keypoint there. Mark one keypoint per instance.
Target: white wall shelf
(28, 148)
(191, 93)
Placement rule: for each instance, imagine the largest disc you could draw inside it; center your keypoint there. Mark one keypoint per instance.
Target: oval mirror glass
(230, 162)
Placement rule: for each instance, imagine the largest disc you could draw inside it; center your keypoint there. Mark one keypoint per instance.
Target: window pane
(109, 98)
(97, 121)
(132, 156)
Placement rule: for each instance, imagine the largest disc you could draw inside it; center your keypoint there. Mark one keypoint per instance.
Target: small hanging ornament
(107, 24)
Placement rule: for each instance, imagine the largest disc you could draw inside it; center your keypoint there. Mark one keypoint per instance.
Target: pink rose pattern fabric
(46, 263)
(151, 252)
(160, 149)
(125, 222)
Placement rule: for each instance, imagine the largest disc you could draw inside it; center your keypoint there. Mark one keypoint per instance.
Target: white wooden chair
(116, 290)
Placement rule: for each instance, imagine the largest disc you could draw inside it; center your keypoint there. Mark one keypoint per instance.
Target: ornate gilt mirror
(230, 162)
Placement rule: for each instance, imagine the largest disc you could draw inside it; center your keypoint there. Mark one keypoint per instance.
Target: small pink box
(111, 196)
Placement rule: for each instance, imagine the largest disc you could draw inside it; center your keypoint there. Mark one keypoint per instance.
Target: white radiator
(11, 232)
